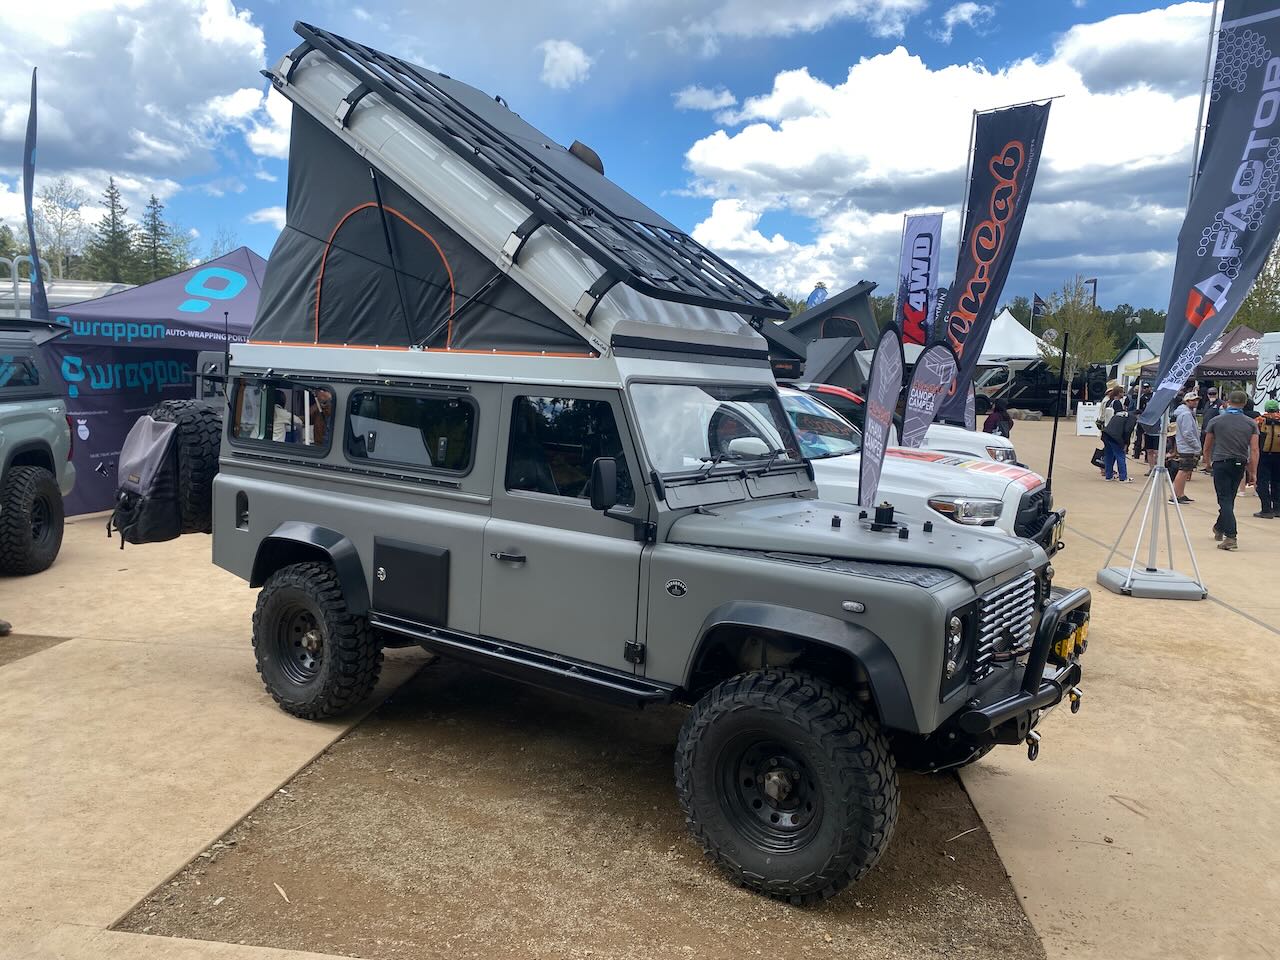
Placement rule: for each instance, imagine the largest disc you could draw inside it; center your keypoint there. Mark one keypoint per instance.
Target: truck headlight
(974, 511)
(954, 647)
(1002, 454)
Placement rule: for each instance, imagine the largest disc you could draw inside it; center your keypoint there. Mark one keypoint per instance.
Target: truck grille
(1032, 509)
(1005, 626)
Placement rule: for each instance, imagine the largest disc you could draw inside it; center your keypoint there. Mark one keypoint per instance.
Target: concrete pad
(123, 760)
(33, 940)
(1150, 825)
(155, 593)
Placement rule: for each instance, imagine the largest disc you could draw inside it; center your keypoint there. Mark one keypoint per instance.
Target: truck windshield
(697, 427)
(821, 431)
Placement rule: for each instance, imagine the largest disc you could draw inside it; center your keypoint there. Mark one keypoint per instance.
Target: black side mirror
(604, 483)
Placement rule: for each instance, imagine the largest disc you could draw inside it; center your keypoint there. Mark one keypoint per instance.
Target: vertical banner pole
(1053, 442)
(964, 200)
(1204, 90)
(897, 287)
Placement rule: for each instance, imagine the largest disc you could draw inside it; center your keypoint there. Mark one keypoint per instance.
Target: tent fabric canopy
(125, 352)
(1010, 340)
(333, 280)
(1234, 356)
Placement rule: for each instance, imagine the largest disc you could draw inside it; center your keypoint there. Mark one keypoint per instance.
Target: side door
(558, 575)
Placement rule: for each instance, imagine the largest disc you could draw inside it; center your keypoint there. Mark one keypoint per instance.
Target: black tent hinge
(342, 115)
(292, 59)
(633, 652)
(590, 299)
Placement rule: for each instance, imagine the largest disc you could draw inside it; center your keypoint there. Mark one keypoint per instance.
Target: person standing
(1212, 407)
(1116, 424)
(1231, 446)
(1269, 460)
(1140, 444)
(998, 420)
(1187, 442)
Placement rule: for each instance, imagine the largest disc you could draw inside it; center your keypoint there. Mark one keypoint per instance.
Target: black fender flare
(31, 446)
(888, 688)
(342, 553)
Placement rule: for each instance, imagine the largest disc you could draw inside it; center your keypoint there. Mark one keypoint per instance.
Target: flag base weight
(1147, 579)
(1158, 584)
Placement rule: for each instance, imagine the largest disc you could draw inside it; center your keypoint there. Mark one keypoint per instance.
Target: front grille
(1005, 623)
(1032, 509)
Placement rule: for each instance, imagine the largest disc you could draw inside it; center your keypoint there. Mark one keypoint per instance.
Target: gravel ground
(471, 816)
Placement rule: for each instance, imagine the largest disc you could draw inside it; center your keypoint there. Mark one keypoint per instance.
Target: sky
(789, 137)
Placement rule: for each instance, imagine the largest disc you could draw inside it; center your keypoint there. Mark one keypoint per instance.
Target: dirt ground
(475, 817)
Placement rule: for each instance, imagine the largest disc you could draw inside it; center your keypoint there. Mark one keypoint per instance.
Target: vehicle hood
(944, 432)
(948, 472)
(792, 526)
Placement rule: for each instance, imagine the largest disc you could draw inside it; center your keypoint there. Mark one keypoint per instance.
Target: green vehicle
(36, 471)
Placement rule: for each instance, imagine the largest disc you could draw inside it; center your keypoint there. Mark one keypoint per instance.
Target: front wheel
(31, 519)
(788, 786)
(317, 659)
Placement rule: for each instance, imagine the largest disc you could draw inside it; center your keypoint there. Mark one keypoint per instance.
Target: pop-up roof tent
(424, 213)
(831, 332)
(125, 352)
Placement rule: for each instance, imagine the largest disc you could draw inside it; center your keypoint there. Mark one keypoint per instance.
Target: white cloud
(767, 18)
(265, 175)
(564, 64)
(268, 134)
(271, 215)
(970, 14)
(695, 97)
(1161, 48)
(835, 167)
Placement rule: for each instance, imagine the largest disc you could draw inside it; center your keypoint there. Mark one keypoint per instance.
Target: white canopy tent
(1010, 340)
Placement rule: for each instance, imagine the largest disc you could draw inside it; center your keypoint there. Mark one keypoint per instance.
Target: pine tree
(8, 242)
(111, 253)
(156, 243)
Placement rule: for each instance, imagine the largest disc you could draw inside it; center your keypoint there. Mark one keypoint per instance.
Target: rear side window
(17, 370)
(555, 440)
(428, 432)
(288, 414)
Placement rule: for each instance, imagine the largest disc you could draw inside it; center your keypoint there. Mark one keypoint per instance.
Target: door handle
(508, 557)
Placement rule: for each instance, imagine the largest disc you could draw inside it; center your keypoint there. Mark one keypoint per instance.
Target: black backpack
(147, 508)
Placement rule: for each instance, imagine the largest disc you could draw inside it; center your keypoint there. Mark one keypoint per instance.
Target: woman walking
(998, 420)
(1116, 430)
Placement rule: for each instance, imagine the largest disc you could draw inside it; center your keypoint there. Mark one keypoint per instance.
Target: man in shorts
(1231, 446)
(1187, 440)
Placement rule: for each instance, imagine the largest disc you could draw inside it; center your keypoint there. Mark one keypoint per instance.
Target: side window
(554, 441)
(17, 370)
(291, 414)
(430, 432)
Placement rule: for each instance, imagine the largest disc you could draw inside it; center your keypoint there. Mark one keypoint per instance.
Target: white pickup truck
(926, 483)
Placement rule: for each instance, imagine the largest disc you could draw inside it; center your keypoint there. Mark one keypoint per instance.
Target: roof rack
(650, 255)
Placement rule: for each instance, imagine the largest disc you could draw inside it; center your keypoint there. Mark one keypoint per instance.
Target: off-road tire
(31, 518)
(347, 670)
(199, 439)
(847, 766)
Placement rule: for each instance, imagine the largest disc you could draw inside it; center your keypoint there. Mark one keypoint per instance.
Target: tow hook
(1076, 695)
(1033, 745)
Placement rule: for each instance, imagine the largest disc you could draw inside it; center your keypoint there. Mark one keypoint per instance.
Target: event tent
(1010, 340)
(1234, 356)
(129, 350)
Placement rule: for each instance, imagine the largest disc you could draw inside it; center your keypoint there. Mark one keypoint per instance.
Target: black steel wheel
(788, 786)
(31, 519)
(317, 659)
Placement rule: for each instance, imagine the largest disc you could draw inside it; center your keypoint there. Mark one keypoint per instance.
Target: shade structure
(125, 352)
(1233, 357)
(1010, 340)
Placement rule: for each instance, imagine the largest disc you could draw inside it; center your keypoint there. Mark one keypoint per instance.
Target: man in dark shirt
(1231, 446)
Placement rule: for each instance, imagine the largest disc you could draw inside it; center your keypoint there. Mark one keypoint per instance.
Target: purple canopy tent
(127, 351)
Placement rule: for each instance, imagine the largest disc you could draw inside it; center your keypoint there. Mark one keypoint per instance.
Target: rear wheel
(787, 785)
(316, 658)
(199, 439)
(31, 521)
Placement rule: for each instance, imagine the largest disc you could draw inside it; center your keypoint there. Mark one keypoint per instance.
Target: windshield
(691, 427)
(821, 431)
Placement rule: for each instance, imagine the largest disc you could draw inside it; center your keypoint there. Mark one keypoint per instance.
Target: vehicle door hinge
(633, 652)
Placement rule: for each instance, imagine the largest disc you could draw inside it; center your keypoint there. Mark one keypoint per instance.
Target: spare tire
(199, 437)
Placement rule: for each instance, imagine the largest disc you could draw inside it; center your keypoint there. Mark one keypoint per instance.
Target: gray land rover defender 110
(495, 406)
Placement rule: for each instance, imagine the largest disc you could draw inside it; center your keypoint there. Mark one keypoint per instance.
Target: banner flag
(935, 372)
(816, 295)
(971, 408)
(1233, 217)
(883, 387)
(39, 302)
(1006, 153)
(918, 276)
(1038, 307)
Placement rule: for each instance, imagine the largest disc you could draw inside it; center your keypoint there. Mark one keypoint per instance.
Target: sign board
(1267, 386)
(1086, 418)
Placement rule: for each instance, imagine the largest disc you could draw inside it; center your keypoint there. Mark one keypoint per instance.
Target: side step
(528, 665)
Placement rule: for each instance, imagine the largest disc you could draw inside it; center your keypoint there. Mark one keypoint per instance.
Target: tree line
(115, 248)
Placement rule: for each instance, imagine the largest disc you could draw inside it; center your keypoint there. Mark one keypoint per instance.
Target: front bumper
(1049, 534)
(1009, 709)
